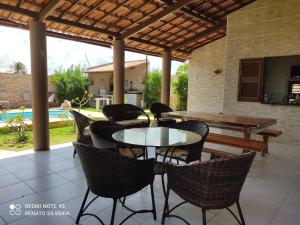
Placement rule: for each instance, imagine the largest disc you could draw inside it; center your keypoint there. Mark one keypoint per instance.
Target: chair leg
(113, 212)
(204, 216)
(166, 211)
(82, 206)
(240, 213)
(74, 153)
(123, 202)
(153, 202)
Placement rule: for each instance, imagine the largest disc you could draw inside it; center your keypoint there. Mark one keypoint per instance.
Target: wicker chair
(214, 184)
(189, 153)
(157, 109)
(110, 175)
(82, 123)
(102, 131)
(126, 115)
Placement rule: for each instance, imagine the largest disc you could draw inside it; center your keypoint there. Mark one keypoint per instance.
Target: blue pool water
(28, 114)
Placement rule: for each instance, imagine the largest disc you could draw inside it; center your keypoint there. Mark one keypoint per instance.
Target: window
(251, 71)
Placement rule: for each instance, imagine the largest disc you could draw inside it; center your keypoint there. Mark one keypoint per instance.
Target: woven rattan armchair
(214, 184)
(191, 152)
(102, 131)
(126, 115)
(82, 123)
(157, 109)
(111, 175)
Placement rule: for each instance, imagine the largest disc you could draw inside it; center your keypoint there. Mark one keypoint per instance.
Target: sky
(15, 46)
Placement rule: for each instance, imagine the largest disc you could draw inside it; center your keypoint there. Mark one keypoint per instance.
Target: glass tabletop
(156, 137)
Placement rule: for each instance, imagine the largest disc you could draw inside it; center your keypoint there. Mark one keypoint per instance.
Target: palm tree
(18, 67)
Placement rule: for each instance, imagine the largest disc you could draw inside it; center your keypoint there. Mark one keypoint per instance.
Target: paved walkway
(271, 194)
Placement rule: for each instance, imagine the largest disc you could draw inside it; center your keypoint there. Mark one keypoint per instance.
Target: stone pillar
(38, 50)
(119, 70)
(166, 77)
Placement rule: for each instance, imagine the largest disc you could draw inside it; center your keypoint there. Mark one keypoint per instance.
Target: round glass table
(156, 137)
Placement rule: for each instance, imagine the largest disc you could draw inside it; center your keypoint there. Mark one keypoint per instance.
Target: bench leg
(247, 135)
(266, 150)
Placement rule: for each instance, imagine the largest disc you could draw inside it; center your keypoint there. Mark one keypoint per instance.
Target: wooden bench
(237, 142)
(266, 133)
(217, 153)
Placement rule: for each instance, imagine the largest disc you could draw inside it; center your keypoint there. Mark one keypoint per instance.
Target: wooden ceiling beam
(200, 35)
(189, 12)
(48, 9)
(130, 11)
(156, 17)
(90, 10)
(72, 4)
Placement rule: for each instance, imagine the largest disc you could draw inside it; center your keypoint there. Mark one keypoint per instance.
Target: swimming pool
(28, 114)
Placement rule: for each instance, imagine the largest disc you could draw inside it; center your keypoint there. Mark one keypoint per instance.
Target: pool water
(28, 114)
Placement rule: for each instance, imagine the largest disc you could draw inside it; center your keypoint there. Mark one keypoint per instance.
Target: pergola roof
(109, 67)
(147, 26)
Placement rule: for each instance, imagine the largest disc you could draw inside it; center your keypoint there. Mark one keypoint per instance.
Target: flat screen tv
(281, 80)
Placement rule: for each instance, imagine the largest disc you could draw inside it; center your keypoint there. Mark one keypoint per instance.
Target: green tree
(18, 67)
(70, 83)
(152, 87)
(181, 86)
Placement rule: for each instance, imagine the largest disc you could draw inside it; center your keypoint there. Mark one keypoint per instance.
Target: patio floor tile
(270, 195)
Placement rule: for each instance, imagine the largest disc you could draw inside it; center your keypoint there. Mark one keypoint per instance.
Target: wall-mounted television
(281, 80)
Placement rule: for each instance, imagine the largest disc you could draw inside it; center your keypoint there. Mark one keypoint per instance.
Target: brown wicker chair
(191, 152)
(214, 184)
(126, 115)
(157, 109)
(102, 131)
(82, 123)
(110, 175)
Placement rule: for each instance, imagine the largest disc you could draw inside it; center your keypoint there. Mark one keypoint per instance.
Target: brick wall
(16, 88)
(206, 89)
(261, 29)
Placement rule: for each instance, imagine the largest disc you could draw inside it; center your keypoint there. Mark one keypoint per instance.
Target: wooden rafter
(187, 27)
(158, 16)
(195, 37)
(90, 10)
(48, 9)
(129, 13)
(189, 12)
(72, 4)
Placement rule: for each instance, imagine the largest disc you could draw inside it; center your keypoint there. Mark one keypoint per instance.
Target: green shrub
(181, 86)
(70, 83)
(152, 90)
(18, 126)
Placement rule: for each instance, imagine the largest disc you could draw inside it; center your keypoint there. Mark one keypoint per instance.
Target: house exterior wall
(206, 89)
(102, 80)
(262, 29)
(16, 88)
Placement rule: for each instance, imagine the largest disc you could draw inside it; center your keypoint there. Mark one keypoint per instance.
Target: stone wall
(16, 88)
(262, 29)
(206, 88)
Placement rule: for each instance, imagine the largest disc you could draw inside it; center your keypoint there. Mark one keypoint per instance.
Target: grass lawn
(57, 136)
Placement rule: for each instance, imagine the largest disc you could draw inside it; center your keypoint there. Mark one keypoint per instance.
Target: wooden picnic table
(245, 124)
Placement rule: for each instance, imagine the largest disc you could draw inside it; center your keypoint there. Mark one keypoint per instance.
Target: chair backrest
(101, 132)
(158, 108)
(120, 112)
(213, 184)
(82, 122)
(198, 127)
(111, 175)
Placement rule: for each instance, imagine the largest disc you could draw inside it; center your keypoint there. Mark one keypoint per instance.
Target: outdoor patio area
(270, 195)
